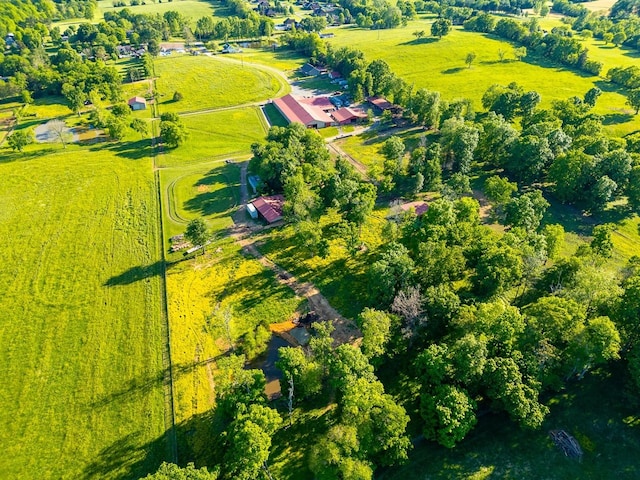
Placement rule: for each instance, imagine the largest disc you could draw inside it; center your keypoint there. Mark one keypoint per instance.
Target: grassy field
(192, 9)
(597, 411)
(212, 82)
(81, 333)
(282, 59)
(217, 135)
(200, 291)
(439, 65)
(210, 191)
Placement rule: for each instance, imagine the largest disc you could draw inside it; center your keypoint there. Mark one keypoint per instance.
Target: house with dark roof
(311, 112)
(269, 208)
(289, 23)
(310, 70)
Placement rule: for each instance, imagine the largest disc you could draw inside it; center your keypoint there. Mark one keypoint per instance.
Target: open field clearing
(211, 82)
(81, 333)
(201, 291)
(217, 135)
(193, 9)
(282, 59)
(439, 65)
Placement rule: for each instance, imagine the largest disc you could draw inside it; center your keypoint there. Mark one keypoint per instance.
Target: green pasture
(216, 136)
(200, 291)
(440, 65)
(284, 60)
(210, 191)
(212, 82)
(597, 411)
(274, 117)
(81, 335)
(193, 9)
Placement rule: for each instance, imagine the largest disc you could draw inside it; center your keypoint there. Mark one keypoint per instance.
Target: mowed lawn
(192, 9)
(210, 191)
(440, 65)
(217, 135)
(212, 82)
(80, 310)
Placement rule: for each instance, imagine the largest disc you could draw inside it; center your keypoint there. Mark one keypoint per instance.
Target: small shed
(253, 213)
(254, 182)
(137, 103)
(269, 208)
(310, 70)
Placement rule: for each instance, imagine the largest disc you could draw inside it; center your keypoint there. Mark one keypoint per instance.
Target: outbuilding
(137, 103)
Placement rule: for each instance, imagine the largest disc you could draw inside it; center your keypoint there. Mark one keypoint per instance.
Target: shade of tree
(173, 133)
(139, 126)
(601, 243)
(170, 471)
(469, 59)
(59, 130)
(249, 441)
(376, 328)
(441, 27)
(20, 139)
(448, 414)
(633, 99)
(197, 233)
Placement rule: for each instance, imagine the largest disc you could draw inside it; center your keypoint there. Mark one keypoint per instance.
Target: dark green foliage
(170, 471)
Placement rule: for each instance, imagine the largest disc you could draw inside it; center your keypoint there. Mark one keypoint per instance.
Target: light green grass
(214, 136)
(81, 332)
(275, 118)
(340, 275)
(211, 82)
(223, 279)
(440, 65)
(210, 191)
(192, 9)
(282, 59)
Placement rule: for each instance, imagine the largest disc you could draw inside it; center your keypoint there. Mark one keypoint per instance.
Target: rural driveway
(345, 330)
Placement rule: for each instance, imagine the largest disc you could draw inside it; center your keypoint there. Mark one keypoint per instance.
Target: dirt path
(345, 329)
(361, 168)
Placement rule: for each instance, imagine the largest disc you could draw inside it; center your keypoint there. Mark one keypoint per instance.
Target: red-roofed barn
(309, 112)
(269, 208)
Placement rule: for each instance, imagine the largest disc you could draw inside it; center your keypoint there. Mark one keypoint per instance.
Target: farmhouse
(137, 103)
(269, 208)
(346, 115)
(311, 112)
(310, 70)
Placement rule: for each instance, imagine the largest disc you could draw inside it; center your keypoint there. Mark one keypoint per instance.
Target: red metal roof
(137, 100)
(296, 111)
(321, 102)
(419, 207)
(381, 103)
(345, 114)
(270, 207)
